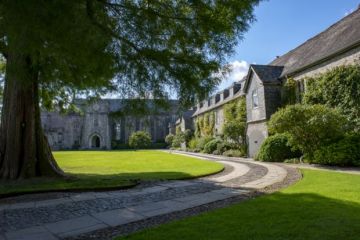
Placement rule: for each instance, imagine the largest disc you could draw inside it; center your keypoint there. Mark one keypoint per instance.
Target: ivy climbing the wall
(337, 88)
(235, 121)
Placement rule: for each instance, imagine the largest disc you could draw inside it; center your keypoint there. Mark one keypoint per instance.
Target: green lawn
(114, 169)
(324, 205)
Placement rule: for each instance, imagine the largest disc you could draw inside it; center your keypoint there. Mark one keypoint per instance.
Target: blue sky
(283, 25)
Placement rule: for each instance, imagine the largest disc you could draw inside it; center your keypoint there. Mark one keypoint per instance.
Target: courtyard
(96, 170)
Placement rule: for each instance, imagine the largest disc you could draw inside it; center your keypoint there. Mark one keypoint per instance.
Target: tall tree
(55, 48)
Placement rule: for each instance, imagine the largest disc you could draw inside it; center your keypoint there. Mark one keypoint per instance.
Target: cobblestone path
(78, 213)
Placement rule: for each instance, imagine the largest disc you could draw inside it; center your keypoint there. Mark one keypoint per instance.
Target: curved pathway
(81, 213)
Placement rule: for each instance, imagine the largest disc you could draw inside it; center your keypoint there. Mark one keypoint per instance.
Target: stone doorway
(95, 141)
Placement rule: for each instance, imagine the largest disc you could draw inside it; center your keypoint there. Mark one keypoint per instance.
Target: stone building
(337, 45)
(100, 124)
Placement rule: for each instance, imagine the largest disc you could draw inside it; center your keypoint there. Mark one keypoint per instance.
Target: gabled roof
(266, 73)
(340, 37)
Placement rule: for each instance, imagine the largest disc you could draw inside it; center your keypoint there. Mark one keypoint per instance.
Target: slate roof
(267, 73)
(339, 37)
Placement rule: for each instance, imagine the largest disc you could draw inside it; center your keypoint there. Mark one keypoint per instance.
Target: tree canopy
(135, 48)
(58, 49)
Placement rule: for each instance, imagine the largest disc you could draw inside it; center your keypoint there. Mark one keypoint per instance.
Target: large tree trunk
(24, 149)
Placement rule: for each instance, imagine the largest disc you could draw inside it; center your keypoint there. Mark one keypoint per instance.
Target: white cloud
(349, 12)
(237, 70)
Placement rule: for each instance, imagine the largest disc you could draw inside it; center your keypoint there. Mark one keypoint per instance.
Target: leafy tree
(140, 140)
(338, 87)
(235, 121)
(55, 50)
(309, 127)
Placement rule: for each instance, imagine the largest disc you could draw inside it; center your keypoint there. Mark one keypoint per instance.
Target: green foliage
(276, 148)
(179, 138)
(234, 153)
(211, 146)
(169, 139)
(225, 146)
(188, 135)
(309, 127)
(193, 144)
(345, 152)
(140, 140)
(338, 87)
(205, 124)
(235, 121)
(172, 43)
(289, 92)
(201, 142)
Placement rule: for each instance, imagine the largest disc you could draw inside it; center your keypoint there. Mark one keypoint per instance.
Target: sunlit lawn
(324, 205)
(114, 169)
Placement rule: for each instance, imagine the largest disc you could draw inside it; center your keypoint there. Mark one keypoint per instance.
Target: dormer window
(255, 98)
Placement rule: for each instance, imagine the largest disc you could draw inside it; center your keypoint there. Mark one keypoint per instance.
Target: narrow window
(118, 131)
(255, 99)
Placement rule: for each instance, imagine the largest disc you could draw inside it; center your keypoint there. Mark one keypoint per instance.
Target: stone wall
(96, 128)
(347, 58)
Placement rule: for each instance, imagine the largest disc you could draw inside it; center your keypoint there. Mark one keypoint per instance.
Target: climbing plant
(205, 125)
(289, 92)
(339, 88)
(235, 120)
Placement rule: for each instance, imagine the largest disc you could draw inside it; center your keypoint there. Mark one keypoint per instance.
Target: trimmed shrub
(140, 139)
(276, 148)
(309, 127)
(234, 153)
(211, 146)
(345, 152)
(169, 139)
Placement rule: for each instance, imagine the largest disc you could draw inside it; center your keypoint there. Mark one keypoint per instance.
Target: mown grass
(324, 205)
(90, 170)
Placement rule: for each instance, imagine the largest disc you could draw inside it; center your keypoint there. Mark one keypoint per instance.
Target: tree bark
(24, 149)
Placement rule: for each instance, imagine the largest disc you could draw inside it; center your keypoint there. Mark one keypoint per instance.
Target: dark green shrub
(193, 143)
(188, 135)
(309, 127)
(201, 142)
(139, 140)
(345, 152)
(211, 146)
(276, 148)
(225, 146)
(234, 153)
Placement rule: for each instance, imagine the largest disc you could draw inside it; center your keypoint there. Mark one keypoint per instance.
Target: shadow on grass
(276, 216)
(85, 182)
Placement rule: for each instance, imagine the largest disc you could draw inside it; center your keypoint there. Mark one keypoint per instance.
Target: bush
(225, 146)
(345, 152)
(201, 142)
(211, 146)
(169, 139)
(309, 127)
(276, 148)
(188, 134)
(140, 139)
(178, 139)
(234, 153)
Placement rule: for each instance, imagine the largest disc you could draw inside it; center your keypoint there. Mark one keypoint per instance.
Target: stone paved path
(85, 212)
